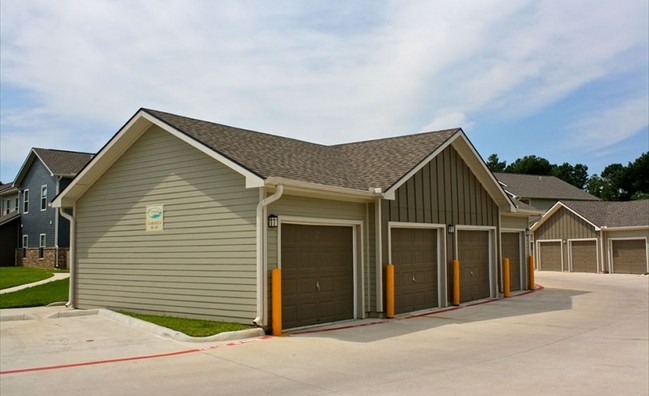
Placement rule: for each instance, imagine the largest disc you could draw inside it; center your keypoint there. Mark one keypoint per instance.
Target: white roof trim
(390, 194)
(119, 143)
(555, 208)
(252, 180)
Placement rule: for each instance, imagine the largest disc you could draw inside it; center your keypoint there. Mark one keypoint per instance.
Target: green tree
(530, 165)
(494, 164)
(635, 179)
(576, 175)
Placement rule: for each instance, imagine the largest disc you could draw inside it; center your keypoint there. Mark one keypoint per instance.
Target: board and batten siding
(444, 191)
(564, 224)
(327, 209)
(203, 265)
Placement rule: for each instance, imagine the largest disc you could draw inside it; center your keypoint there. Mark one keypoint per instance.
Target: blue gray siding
(36, 221)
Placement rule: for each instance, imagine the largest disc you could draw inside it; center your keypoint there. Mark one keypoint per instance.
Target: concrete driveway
(581, 334)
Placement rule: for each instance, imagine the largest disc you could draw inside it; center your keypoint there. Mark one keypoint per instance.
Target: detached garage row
(605, 237)
(186, 217)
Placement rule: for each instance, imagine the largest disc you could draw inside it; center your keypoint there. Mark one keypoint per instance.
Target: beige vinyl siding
(202, 265)
(306, 207)
(516, 222)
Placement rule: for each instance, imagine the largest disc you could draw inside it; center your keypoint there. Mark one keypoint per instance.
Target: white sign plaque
(154, 218)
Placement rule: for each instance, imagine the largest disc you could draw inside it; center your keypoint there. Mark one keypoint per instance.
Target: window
(25, 245)
(41, 246)
(8, 207)
(43, 197)
(17, 204)
(26, 201)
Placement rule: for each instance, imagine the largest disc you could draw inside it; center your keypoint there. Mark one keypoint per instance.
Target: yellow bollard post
(456, 282)
(276, 307)
(506, 278)
(389, 291)
(530, 273)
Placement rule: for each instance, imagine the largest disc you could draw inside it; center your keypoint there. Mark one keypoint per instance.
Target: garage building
(594, 236)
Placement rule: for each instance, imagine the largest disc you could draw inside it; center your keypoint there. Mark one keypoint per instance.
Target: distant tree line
(616, 182)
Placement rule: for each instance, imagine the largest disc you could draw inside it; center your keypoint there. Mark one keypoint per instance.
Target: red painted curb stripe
(300, 332)
(134, 358)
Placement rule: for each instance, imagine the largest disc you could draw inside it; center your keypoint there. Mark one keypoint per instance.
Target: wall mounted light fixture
(273, 221)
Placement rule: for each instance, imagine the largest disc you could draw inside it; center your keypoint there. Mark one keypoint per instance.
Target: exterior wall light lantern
(273, 222)
(527, 232)
(451, 229)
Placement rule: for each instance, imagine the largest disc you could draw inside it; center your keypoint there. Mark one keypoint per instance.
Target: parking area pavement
(581, 334)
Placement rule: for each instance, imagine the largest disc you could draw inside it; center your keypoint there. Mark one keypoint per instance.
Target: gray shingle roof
(362, 165)
(7, 188)
(612, 214)
(63, 163)
(549, 187)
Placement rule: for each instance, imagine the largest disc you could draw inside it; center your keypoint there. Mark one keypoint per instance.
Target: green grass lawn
(15, 276)
(191, 327)
(36, 296)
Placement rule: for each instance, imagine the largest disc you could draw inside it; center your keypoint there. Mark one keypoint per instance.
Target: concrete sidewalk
(55, 277)
(582, 334)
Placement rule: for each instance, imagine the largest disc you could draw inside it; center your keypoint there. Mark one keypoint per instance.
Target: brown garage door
(629, 256)
(473, 253)
(550, 256)
(511, 243)
(584, 256)
(414, 255)
(317, 274)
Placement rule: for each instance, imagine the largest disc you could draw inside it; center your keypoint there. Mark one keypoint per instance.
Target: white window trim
(25, 200)
(25, 241)
(42, 242)
(44, 186)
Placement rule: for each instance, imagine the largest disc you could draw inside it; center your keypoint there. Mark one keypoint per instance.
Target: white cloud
(448, 120)
(610, 126)
(322, 72)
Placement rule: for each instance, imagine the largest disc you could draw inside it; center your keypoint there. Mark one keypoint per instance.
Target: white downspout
(260, 320)
(71, 255)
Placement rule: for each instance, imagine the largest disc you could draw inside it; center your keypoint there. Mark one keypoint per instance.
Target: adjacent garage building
(186, 217)
(594, 236)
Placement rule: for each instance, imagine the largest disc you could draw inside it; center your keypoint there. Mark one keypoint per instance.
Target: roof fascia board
(391, 192)
(25, 167)
(322, 191)
(625, 228)
(44, 163)
(123, 139)
(108, 154)
(477, 165)
(473, 160)
(555, 208)
(252, 180)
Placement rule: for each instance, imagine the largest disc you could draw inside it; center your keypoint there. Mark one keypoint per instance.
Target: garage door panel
(629, 256)
(473, 254)
(317, 274)
(511, 247)
(584, 256)
(550, 256)
(414, 255)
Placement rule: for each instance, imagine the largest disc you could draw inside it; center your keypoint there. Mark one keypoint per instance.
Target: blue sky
(568, 82)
